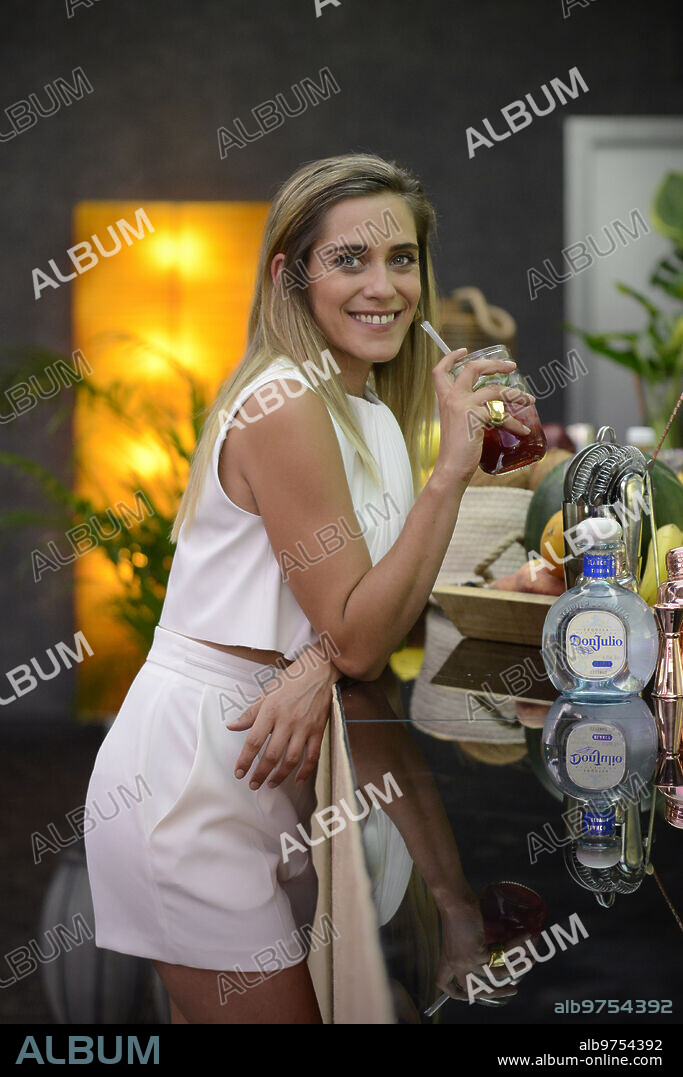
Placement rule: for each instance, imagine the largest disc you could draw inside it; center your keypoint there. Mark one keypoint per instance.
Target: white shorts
(190, 870)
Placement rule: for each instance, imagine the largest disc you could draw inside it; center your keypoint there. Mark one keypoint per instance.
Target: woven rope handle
(495, 321)
(482, 569)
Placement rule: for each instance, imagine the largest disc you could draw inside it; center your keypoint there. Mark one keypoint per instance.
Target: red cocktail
(510, 910)
(504, 451)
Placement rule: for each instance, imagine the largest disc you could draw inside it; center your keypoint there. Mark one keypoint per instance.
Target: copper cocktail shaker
(669, 717)
(671, 590)
(669, 670)
(667, 697)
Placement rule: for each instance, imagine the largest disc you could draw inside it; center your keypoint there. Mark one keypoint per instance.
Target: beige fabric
(320, 960)
(349, 975)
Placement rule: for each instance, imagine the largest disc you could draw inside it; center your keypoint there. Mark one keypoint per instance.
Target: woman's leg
(210, 997)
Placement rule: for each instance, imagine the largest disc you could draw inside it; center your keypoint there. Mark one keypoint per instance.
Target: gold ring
(497, 957)
(497, 412)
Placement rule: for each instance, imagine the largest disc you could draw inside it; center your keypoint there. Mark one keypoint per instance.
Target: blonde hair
(285, 326)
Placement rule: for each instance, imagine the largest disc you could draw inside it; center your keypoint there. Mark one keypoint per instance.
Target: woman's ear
(276, 267)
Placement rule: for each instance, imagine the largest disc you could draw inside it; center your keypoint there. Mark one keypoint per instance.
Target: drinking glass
(503, 451)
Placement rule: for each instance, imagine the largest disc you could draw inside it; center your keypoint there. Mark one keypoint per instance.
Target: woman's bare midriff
(252, 654)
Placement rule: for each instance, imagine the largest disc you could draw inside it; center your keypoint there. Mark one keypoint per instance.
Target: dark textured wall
(412, 77)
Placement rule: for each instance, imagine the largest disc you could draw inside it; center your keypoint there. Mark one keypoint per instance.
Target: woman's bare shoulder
(281, 407)
(283, 429)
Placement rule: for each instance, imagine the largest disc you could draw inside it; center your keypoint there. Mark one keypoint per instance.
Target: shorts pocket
(173, 751)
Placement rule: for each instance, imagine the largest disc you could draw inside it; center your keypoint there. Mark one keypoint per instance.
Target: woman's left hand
(292, 717)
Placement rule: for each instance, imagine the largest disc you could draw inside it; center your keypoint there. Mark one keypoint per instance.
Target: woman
(276, 590)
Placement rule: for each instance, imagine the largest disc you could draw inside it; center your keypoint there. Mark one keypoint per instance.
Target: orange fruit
(552, 545)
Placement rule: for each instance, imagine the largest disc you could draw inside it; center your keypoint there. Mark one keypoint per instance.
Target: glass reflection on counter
(432, 922)
(488, 708)
(602, 758)
(602, 755)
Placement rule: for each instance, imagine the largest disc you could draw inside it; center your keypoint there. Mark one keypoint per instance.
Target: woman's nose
(379, 282)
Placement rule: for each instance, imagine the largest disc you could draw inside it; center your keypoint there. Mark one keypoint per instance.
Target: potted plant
(140, 551)
(654, 353)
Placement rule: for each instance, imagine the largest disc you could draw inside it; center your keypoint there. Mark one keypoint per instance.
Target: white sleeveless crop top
(226, 585)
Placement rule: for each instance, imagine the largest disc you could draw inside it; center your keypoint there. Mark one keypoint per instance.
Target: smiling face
(369, 284)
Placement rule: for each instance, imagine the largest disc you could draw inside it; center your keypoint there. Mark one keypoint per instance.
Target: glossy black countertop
(463, 743)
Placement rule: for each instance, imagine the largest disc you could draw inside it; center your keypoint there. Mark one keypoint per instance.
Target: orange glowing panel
(165, 279)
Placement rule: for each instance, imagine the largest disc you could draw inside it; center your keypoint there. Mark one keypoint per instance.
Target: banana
(668, 537)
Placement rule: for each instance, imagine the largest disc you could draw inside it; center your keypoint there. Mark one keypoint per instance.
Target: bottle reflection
(437, 933)
(601, 756)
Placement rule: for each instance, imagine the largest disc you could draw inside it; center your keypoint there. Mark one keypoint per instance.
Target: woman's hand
(463, 414)
(291, 716)
(532, 715)
(464, 952)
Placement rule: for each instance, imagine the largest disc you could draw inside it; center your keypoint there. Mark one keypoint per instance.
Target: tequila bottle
(602, 754)
(599, 638)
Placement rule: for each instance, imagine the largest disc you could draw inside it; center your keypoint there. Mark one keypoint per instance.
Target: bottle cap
(596, 530)
(592, 857)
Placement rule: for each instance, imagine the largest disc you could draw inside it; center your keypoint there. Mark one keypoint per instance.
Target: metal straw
(445, 349)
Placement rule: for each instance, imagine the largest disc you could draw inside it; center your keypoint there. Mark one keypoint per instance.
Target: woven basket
(486, 544)
(469, 321)
(444, 712)
(487, 541)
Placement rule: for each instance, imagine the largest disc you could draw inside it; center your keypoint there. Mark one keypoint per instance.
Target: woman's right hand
(463, 414)
(464, 952)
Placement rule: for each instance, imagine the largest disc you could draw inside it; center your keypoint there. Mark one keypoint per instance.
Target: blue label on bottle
(598, 825)
(598, 564)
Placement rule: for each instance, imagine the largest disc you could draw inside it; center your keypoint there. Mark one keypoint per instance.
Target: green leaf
(643, 300)
(603, 344)
(667, 207)
(10, 518)
(50, 485)
(668, 275)
(19, 362)
(140, 600)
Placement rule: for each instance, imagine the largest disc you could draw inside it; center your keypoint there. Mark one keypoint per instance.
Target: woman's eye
(339, 260)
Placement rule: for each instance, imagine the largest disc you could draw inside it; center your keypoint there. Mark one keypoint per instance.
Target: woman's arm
(381, 744)
(291, 464)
